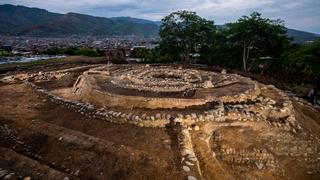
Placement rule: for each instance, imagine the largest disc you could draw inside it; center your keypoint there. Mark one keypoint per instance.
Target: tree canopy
(253, 43)
(258, 37)
(183, 33)
(305, 62)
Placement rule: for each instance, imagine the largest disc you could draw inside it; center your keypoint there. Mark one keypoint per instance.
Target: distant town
(29, 44)
(13, 47)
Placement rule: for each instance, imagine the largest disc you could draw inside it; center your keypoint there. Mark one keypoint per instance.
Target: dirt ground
(40, 139)
(74, 146)
(73, 142)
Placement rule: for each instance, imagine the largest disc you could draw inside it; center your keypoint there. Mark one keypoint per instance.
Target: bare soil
(48, 141)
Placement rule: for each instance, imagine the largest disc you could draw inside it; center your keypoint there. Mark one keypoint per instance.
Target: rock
(177, 120)
(66, 178)
(186, 168)
(189, 163)
(186, 151)
(213, 154)
(8, 176)
(193, 115)
(224, 71)
(208, 84)
(201, 118)
(27, 178)
(3, 173)
(192, 178)
(77, 173)
(196, 128)
(192, 159)
(60, 138)
(259, 165)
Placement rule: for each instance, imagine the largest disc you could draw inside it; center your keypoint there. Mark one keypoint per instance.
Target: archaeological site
(157, 121)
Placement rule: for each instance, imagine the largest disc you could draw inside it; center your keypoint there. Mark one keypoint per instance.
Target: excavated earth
(152, 122)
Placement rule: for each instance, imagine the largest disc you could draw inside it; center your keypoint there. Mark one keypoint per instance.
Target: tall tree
(258, 37)
(304, 63)
(183, 33)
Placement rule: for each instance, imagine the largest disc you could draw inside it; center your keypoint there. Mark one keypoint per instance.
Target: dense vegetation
(73, 52)
(253, 44)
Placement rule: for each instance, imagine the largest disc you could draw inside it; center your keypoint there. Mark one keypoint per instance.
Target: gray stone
(192, 178)
(194, 115)
(186, 168)
(189, 163)
(177, 120)
(180, 116)
(196, 128)
(208, 84)
(77, 173)
(129, 116)
(259, 165)
(158, 116)
(3, 173)
(143, 116)
(8, 176)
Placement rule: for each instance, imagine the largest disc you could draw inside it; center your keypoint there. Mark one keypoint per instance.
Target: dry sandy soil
(41, 139)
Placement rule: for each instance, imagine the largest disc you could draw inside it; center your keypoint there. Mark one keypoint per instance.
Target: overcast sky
(297, 14)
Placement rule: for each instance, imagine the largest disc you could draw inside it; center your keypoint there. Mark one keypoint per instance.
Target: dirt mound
(153, 122)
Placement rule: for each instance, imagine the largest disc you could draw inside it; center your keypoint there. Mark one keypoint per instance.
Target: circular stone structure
(217, 125)
(161, 87)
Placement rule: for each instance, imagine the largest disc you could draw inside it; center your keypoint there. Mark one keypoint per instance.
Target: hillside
(20, 20)
(24, 21)
(302, 36)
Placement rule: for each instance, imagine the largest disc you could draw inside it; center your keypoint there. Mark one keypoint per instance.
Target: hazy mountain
(302, 36)
(21, 20)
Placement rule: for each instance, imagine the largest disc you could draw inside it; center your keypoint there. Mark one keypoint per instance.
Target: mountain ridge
(26, 21)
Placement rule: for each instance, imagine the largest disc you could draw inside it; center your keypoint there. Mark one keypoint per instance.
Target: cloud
(300, 14)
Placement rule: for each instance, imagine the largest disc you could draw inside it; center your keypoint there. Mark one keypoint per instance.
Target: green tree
(4, 53)
(183, 33)
(220, 51)
(87, 52)
(258, 37)
(139, 52)
(305, 62)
